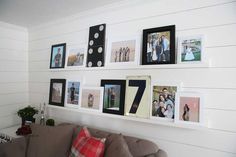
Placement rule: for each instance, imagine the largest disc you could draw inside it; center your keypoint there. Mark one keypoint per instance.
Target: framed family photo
(58, 54)
(189, 108)
(190, 49)
(76, 57)
(92, 98)
(123, 51)
(73, 92)
(114, 96)
(163, 100)
(159, 45)
(57, 92)
(137, 99)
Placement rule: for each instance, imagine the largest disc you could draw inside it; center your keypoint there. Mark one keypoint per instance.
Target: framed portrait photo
(114, 96)
(163, 100)
(58, 54)
(137, 99)
(190, 49)
(73, 93)
(189, 108)
(123, 51)
(57, 92)
(92, 98)
(159, 45)
(76, 57)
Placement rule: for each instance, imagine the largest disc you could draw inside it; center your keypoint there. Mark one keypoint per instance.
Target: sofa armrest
(17, 147)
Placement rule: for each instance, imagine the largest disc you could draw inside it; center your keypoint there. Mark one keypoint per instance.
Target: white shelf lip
(136, 119)
(138, 67)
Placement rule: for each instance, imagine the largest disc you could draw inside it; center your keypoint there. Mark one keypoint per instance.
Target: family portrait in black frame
(114, 96)
(159, 45)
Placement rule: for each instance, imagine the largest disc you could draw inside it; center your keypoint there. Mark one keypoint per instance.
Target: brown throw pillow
(47, 141)
(118, 147)
(16, 148)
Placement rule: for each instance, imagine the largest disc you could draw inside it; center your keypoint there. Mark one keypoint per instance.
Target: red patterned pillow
(87, 146)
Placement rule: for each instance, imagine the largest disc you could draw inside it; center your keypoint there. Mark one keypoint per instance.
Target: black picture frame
(61, 92)
(159, 53)
(61, 63)
(119, 89)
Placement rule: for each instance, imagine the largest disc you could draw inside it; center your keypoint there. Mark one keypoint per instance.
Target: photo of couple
(163, 102)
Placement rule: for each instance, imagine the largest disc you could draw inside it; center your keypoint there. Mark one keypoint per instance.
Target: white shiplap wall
(215, 19)
(13, 73)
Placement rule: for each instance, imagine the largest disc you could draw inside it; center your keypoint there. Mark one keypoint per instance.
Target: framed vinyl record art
(57, 92)
(114, 96)
(137, 99)
(159, 45)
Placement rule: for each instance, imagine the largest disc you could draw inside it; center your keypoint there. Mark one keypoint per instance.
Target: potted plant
(27, 114)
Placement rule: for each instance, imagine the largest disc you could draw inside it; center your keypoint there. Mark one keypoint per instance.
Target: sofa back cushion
(15, 148)
(117, 147)
(137, 147)
(47, 141)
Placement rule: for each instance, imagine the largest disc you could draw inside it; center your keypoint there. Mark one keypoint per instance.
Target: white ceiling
(30, 13)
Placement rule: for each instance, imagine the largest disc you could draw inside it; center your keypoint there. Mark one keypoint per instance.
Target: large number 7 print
(141, 84)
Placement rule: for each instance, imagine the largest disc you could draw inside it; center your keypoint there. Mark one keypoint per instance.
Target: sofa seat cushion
(117, 147)
(15, 148)
(87, 146)
(47, 141)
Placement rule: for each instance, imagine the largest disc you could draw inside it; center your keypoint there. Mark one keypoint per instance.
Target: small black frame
(153, 45)
(63, 56)
(122, 84)
(62, 91)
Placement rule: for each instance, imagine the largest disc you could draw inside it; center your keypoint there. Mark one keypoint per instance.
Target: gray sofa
(56, 141)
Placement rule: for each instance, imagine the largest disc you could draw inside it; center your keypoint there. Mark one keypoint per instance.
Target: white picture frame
(77, 91)
(97, 93)
(192, 57)
(161, 85)
(122, 60)
(194, 114)
(74, 53)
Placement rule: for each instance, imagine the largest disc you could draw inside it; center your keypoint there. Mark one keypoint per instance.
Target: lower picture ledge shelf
(135, 119)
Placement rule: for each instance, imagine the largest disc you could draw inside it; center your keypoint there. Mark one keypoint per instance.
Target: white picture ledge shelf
(142, 120)
(139, 67)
